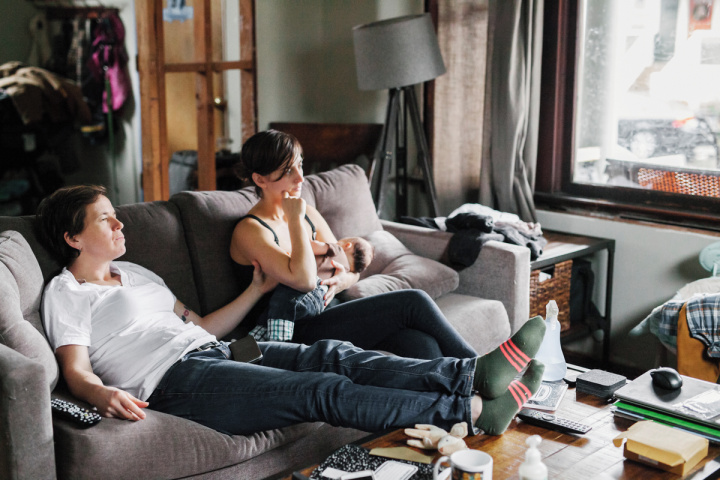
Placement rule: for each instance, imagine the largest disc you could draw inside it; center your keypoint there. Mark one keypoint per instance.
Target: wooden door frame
(152, 70)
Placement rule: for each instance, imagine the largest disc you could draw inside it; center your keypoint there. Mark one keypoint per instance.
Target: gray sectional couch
(185, 241)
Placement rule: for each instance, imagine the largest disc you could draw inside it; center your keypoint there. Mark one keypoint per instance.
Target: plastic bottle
(550, 352)
(533, 468)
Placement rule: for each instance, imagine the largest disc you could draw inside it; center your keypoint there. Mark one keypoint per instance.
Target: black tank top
(244, 274)
(262, 222)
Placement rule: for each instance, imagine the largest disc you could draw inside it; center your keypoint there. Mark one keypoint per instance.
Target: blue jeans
(330, 381)
(405, 322)
(289, 304)
(286, 307)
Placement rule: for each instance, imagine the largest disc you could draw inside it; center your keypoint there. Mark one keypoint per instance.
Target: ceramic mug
(466, 465)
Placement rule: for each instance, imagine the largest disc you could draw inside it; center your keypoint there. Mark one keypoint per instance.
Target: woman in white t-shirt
(125, 343)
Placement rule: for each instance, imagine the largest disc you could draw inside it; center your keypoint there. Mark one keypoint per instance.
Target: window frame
(554, 188)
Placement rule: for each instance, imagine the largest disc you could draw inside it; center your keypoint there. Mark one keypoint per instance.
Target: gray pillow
(21, 287)
(397, 268)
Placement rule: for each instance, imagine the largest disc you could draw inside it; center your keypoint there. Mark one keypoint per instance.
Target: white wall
(306, 63)
(651, 264)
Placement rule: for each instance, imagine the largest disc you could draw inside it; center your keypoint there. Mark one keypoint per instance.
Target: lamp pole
(393, 144)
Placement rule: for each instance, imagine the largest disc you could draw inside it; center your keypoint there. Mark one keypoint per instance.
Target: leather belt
(205, 346)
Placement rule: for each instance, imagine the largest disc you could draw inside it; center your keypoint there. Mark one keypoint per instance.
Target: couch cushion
(155, 239)
(209, 219)
(343, 198)
(396, 268)
(160, 446)
(22, 286)
(26, 226)
(482, 323)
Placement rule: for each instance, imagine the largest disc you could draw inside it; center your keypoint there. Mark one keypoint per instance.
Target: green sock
(497, 413)
(495, 371)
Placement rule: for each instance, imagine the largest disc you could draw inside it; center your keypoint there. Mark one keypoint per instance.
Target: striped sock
(497, 413)
(495, 371)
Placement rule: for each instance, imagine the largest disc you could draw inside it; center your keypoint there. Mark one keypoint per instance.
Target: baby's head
(358, 251)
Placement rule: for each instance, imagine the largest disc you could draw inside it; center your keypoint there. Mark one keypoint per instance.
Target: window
(630, 112)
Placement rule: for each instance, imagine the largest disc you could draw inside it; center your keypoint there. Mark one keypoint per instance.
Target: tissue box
(663, 447)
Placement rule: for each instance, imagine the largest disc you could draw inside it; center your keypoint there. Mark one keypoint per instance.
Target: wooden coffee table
(585, 457)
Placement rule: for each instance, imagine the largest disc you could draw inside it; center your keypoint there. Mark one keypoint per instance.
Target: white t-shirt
(131, 331)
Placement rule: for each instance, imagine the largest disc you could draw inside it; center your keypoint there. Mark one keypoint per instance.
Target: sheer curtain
(459, 102)
(486, 108)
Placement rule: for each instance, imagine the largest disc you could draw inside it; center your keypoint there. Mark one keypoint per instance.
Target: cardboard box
(663, 447)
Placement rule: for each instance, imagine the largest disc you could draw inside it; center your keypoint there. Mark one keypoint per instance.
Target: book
(548, 396)
(636, 412)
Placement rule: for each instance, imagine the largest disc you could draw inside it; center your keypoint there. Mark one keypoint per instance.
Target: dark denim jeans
(405, 322)
(330, 381)
(289, 304)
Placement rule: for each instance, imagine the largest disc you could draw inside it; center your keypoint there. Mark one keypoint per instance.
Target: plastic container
(550, 352)
(533, 468)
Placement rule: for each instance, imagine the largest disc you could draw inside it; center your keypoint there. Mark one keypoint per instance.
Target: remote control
(75, 413)
(553, 422)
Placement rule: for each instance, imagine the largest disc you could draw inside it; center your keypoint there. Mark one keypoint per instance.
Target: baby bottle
(550, 352)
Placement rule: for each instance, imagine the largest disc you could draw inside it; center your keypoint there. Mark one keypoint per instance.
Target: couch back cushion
(209, 219)
(154, 238)
(394, 267)
(21, 292)
(342, 196)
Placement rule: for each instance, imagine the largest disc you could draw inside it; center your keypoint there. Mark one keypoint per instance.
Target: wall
(119, 171)
(651, 264)
(306, 62)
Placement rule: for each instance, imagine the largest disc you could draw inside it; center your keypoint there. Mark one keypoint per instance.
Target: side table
(565, 246)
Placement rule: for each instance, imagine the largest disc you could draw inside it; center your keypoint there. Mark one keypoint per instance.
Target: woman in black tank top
(277, 236)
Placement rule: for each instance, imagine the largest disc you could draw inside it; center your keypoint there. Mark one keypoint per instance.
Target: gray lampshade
(397, 52)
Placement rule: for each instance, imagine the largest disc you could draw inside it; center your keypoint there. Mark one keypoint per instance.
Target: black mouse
(667, 378)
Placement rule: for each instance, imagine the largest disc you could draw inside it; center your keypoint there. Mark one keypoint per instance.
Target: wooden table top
(571, 457)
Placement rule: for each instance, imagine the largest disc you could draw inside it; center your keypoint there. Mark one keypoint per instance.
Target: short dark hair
(64, 212)
(266, 152)
(363, 253)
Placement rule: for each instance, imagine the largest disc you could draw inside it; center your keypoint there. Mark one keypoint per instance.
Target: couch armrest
(26, 433)
(501, 272)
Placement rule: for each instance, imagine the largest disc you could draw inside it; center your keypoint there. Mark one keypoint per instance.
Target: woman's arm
(251, 242)
(324, 233)
(74, 361)
(224, 320)
(342, 279)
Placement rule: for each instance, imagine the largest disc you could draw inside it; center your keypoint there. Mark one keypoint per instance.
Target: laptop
(697, 400)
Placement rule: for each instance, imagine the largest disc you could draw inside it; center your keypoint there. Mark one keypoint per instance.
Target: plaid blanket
(703, 316)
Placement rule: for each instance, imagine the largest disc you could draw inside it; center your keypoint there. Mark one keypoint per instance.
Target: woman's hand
(260, 281)
(113, 402)
(340, 281)
(294, 207)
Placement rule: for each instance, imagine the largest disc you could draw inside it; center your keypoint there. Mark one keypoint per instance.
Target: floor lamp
(396, 54)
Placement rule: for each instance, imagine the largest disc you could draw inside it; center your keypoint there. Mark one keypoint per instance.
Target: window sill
(658, 216)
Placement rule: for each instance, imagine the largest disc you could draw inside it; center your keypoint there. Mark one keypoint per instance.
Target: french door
(196, 60)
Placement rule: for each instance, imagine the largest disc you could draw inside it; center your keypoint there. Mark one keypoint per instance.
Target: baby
(288, 305)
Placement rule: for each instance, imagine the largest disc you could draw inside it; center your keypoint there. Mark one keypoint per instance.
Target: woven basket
(556, 288)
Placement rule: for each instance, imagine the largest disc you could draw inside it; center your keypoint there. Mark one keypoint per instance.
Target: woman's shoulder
(62, 281)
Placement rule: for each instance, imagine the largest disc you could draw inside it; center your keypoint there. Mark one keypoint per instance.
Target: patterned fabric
(277, 330)
(703, 318)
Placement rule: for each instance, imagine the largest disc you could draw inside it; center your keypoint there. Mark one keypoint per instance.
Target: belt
(205, 346)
